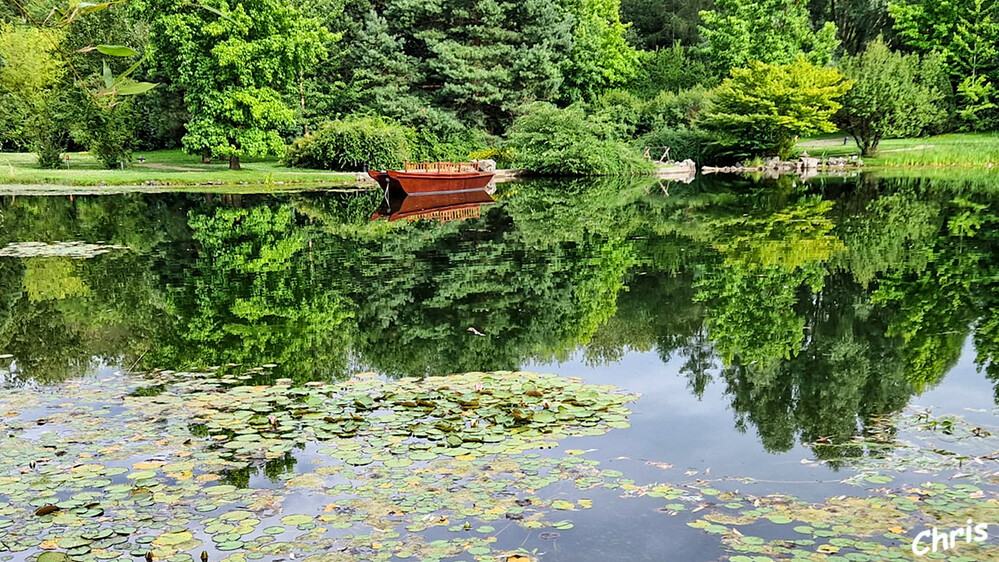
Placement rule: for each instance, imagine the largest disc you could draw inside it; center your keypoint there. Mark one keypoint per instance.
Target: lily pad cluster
(74, 249)
(919, 441)
(462, 416)
(97, 470)
(176, 464)
(878, 524)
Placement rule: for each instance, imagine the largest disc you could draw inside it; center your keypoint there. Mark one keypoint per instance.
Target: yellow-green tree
(762, 109)
(30, 101)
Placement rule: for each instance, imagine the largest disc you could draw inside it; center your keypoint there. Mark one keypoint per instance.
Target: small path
(822, 143)
(168, 167)
(917, 147)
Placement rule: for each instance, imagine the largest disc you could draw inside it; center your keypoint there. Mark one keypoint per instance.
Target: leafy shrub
(683, 144)
(435, 135)
(621, 111)
(673, 69)
(760, 110)
(567, 142)
(351, 143)
(108, 133)
(49, 148)
(504, 157)
(674, 110)
(890, 97)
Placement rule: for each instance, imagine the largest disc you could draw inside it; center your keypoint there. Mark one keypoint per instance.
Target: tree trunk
(871, 148)
(301, 99)
(234, 162)
(206, 159)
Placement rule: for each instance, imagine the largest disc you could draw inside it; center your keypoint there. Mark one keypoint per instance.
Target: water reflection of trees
(816, 313)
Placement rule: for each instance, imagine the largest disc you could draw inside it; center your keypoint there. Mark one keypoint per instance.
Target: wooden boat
(434, 177)
(442, 207)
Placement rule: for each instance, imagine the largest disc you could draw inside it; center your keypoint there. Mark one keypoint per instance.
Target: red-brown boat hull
(425, 182)
(382, 178)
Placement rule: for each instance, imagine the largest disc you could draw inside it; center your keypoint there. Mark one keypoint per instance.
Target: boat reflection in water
(442, 206)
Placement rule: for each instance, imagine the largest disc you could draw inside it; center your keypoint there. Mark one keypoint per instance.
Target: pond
(733, 369)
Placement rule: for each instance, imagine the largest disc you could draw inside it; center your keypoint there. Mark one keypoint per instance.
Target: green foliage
(771, 31)
(471, 61)
(683, 143)
(107, 132)
(600, 57)
(236, 63)
(889, 97)
(660, 24)
(553, 141)
(670, 110)
(32, 97)
(621, 111)
(164, 116)
(350, 144)
(504, 157)
(761, 110)
(977, 101)
(857, 21)
(433, 135)
(674, 69)
(965, 32)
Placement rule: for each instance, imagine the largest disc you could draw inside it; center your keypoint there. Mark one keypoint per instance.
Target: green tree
(857, 21)
(237, 61)
(601, 56)
(672, 69)
(32, 98)
(568, 142)
(977, 100)
(444, 64)
(889, 97)
(660, 24)
(761, 110)
(965, 32)
(771, 31)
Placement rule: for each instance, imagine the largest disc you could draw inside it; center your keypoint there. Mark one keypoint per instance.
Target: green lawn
(964, 149)
(168, 167)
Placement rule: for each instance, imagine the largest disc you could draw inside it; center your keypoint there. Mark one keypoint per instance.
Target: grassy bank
(965, 149)
(166, 167)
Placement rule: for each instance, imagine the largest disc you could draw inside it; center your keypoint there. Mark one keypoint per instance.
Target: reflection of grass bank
(967, 149)
(169, 167)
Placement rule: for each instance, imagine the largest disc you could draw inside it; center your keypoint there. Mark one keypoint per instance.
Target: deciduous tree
(770, 31)
(889, 97)
(32, 103)
(237, 61)
(762, 109)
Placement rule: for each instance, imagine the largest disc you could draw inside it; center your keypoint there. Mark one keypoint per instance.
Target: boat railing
(448, 215)
(442, 167)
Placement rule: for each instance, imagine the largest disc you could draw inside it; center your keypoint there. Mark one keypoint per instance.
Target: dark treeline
(559, 86)
(815, 311)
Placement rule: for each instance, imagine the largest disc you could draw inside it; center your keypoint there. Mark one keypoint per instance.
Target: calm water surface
(754, 318)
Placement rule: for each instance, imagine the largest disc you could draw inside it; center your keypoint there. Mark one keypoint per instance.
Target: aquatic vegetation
(97, 469)
(74, 249)
(169, 464)
(916, 440)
